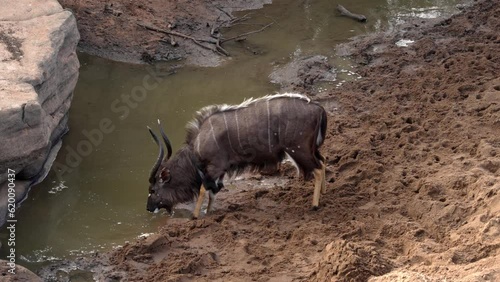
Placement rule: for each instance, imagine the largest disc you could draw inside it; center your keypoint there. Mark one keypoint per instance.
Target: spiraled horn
(158, 161)
(166, 140)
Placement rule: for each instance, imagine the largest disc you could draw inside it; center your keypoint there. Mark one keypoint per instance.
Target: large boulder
(38, 72)
(21, 274)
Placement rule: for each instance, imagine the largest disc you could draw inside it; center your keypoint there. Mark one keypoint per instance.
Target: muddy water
(95, 198)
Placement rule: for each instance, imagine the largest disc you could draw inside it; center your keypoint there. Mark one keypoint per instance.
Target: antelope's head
(160, 179)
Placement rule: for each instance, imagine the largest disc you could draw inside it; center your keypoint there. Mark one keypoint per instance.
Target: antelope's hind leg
(317, 187)
(211, 201)
(319, 183)
(199, 202)
(323, 177)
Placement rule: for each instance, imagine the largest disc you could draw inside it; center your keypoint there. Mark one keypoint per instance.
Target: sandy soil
(413, 174)
(110, 29)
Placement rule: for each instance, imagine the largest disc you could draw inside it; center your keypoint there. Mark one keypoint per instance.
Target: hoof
(315, 208)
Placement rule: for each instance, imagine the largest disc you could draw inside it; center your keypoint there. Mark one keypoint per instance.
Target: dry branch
(344, 12)
(213, 32)
(195, 40)
(231, 22)
(247, 33)
(222, 10)
(219, 48)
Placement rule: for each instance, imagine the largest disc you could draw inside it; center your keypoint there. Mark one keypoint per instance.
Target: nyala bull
(228, 139)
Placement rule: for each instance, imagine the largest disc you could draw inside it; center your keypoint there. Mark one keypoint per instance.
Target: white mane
(248, 102)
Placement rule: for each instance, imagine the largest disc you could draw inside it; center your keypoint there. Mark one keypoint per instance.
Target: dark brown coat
(226, 139)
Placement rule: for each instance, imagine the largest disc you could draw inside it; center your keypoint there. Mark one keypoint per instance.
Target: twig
(240, 19)
(215, 28)
(257, 24)
(231, 22)
(247, 33)
(166, 31)
(272, 19)
(226, 13)
(218, 47)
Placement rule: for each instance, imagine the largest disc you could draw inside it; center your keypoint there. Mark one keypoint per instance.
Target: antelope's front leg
(199, 202)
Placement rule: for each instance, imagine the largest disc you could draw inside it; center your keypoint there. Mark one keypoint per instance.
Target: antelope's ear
(165, 175)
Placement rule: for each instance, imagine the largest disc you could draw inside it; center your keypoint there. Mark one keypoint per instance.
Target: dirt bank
(413, 178)
(110, 29)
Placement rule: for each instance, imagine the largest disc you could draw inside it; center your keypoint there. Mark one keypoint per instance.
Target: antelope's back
(264, 126)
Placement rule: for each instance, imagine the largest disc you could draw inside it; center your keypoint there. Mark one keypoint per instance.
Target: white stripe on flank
(227, 132)
(268, 126)
(225, 121)
(295, 110)
(238, 128)
(286, 129)
(319, 138)
(279, 130)
(197, 142)
(213, 133)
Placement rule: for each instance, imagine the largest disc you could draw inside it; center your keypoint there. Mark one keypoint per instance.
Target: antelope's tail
(323, 122)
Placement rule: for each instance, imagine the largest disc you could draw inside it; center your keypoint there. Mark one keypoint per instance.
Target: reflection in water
(95, 198)
(398, 11)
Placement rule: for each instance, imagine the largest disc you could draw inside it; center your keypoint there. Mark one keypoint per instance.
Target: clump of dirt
(351, 262)
(413, 179)
(114, 29)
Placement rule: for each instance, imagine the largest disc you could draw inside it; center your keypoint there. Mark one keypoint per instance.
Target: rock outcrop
(302, 73)
(22, 274)
(38, 72)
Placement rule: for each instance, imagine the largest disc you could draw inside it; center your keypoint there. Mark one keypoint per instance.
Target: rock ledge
(38, 72)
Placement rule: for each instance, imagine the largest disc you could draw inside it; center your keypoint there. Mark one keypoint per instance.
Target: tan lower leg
(211, 201)
(201, 196)
(317, 187)
(323, 176)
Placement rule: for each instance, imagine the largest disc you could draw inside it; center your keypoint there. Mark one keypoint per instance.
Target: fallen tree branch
(195, 40)
(152, 28)
(240, 19)
(344, 12)
(247, 33)
(213, 32)
(231, 22)
(219, 48)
